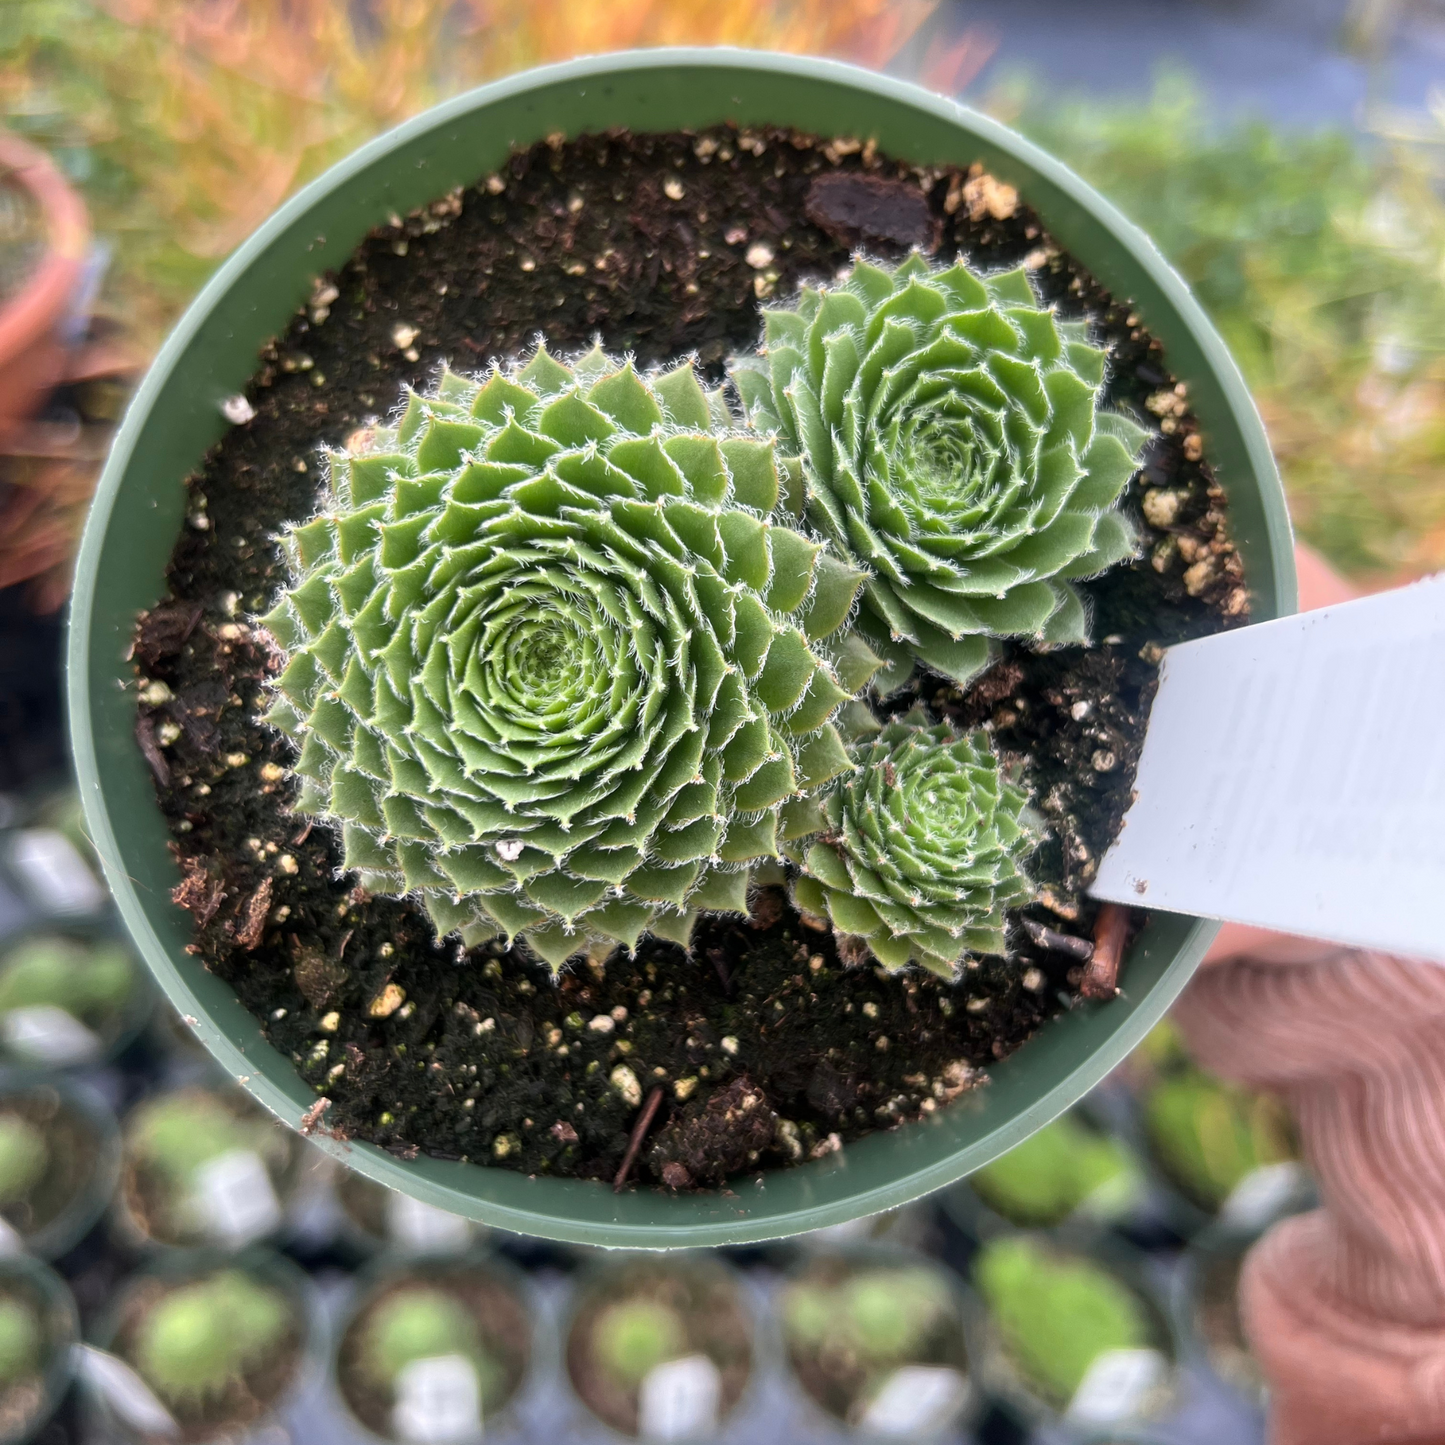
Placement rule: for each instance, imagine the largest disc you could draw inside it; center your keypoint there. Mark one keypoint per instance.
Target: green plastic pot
(176, 417)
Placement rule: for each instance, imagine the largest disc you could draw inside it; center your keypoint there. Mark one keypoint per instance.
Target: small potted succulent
(660, 1349)
(202, 1166)
(69, 999)
(37, 1331)
(220, 1341)
(1207, 1310)
(675, 749)
(1072, 1334)
(1070, 1170)
(874, 1337)
(436, 1351)
(379, 1218)
(1230, 1156)
(59, 1161)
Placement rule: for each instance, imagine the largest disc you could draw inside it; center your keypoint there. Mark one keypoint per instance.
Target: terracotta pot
(32, 351)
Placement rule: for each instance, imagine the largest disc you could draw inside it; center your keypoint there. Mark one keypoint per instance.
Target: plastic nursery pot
(176, 417)
(1072, 1334)
(1206, 1312)
(203, 1166)
(70, 997)
(660, 1348)
(59, 1160)
(1228, 1158)
(1070, 1172)
(436, 1349)
(31, 315)
(377, 1218)
(38, 1328)
(221, 1342)
(874, 1338)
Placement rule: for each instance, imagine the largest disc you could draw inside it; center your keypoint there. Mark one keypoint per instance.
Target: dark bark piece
(1111, 932)
(319, 978)
(726, 1136)
(859, 209)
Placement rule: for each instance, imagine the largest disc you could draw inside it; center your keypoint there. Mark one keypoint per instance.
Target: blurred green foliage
(1321, 258)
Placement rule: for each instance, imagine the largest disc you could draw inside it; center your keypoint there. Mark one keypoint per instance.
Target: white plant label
(236, 1198)
(423, 1228)
(54, 874)
(1261, 1194)
(47, 1033)
(916, 1400)
(438, 1402)
(130, 1399)
(1293, 777)
(1117, 1386)
(679, 1400)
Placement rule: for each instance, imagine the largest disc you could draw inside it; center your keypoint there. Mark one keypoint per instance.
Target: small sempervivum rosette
(922, 847)
(550, 664)
(949, 439)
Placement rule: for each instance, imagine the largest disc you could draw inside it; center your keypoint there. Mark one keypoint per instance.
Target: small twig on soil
(639, 1133)
(312, 1117)
(1056, 942)
(150, 749)
(303, 835)
(719, 961)
(1101, 977)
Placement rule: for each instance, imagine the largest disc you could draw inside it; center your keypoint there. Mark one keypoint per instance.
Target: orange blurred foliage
(246, 99)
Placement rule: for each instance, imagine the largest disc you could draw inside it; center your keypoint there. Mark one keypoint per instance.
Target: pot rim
(874, 1173)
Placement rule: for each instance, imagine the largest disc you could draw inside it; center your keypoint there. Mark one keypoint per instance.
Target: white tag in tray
(235, 1197)
(47, 1033)
(438, 1402)
(1117, 1386)
(129, 1397)
(54, 873)
(916, 1400)
(11, 1240)
(679, 1400)
(423, 1228)
(1261, 1194)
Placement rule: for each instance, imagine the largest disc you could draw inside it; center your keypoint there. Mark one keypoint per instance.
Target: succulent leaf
(551, 662)
(947, 430)
(921, 848)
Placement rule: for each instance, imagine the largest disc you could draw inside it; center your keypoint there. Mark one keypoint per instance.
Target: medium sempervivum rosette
(922, 848)
(550, 664)
(949, 438)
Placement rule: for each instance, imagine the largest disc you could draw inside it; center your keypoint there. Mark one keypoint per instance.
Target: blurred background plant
(1320, 256)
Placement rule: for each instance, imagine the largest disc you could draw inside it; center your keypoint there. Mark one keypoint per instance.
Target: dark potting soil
(767, 1050)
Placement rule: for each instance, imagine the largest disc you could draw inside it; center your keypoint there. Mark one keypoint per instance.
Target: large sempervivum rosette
(950, 442)
(921, 849)
(550, 664)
